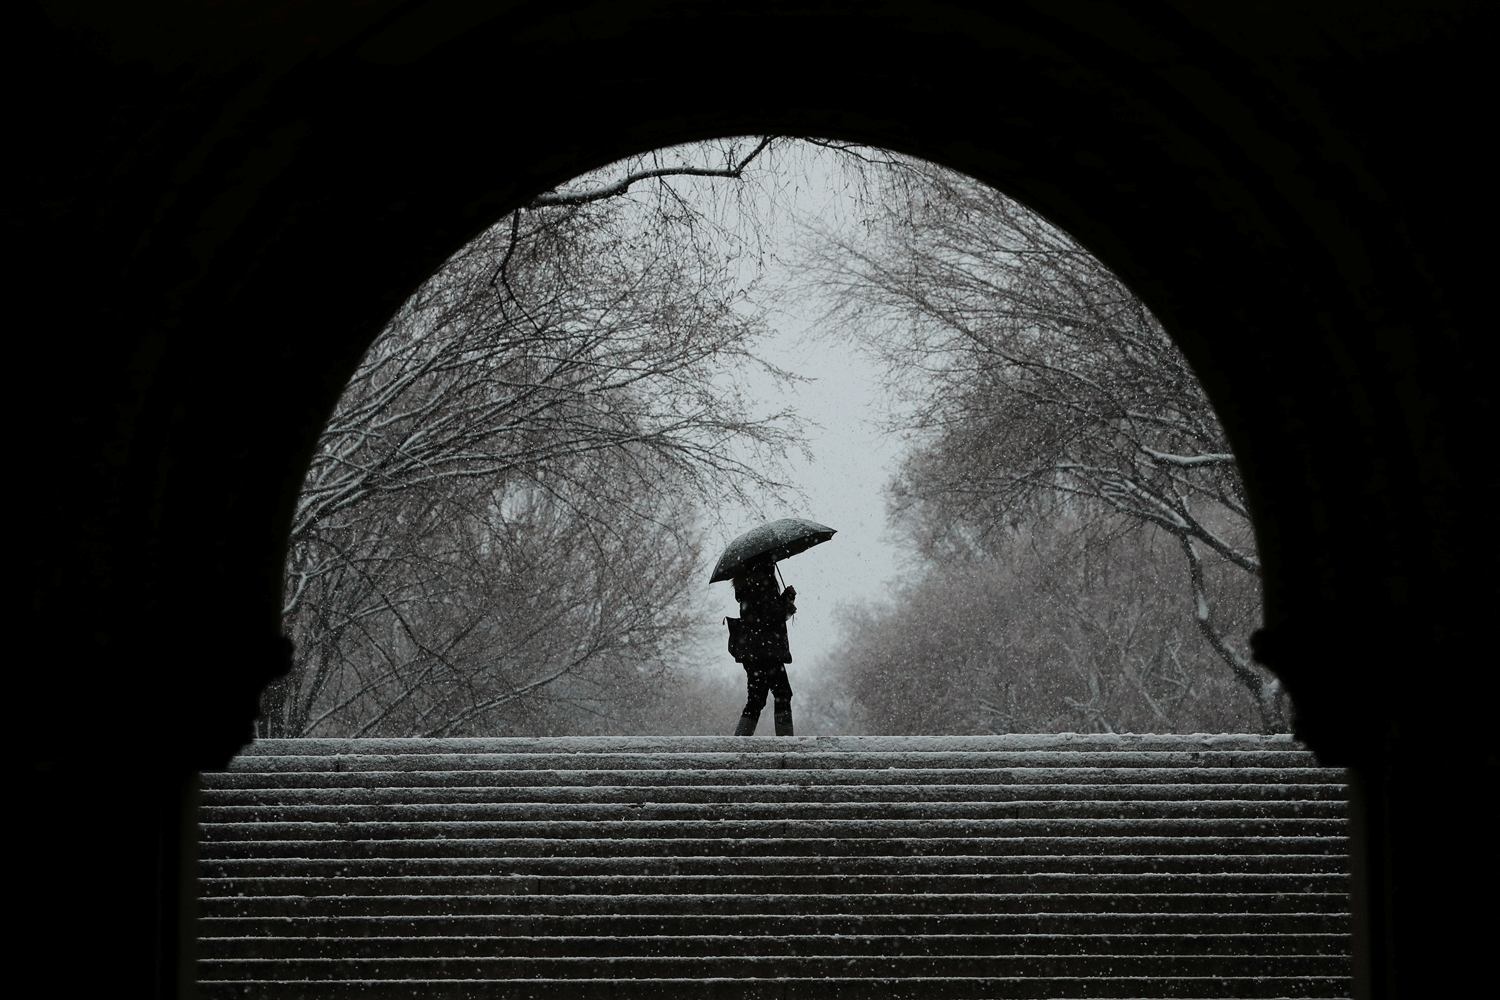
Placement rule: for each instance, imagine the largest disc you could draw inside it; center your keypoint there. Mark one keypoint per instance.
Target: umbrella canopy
(776, 540)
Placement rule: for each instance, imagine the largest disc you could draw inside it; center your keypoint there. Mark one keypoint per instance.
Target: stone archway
(261, 187)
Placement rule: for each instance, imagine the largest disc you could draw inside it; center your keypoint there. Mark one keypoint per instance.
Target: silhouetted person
(763, 648)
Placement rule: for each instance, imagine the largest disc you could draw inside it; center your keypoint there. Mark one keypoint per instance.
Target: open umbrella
(776, 541)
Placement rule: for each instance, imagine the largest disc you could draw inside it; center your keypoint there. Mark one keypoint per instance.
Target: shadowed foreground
(933, 867)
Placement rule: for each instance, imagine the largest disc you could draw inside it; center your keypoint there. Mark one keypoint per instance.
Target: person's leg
(782, 689)
(757, 685)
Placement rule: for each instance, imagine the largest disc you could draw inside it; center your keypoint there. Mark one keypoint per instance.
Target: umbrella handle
(784, 587)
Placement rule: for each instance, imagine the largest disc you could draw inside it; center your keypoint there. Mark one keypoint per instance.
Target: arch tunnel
(214, 208)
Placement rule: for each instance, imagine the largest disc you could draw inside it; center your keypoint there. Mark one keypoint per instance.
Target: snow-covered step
(847, 865)
(774, 943)
(825, 847)
(780, 790)
(891, 745)
(779, 987)
(678, 812)
(731, 964)
(1047, 866)
(1161, 927)
(772, 904)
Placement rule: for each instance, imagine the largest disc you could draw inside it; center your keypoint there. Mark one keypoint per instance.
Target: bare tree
(498, 524)
(1035, 385)
(1051, 631)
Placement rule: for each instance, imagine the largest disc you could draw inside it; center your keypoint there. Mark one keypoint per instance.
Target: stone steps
(1009, 789)
(1032, 866)
(822, 944)
(390, 813)
(783, 865)
(755, 829)
(740, 885)
(771, 904)
(1082, 846)
(874, 964)
(1184, 926)
(781, 987)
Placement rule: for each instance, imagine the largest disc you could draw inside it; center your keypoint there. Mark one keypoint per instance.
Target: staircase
(714, 867)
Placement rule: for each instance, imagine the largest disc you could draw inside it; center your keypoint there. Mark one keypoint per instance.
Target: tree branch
(554, 198)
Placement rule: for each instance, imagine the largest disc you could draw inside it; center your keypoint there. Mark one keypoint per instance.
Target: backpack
(735, 639)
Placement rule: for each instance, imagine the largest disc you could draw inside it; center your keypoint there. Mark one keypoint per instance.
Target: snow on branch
(621, 186)
(1188, 461)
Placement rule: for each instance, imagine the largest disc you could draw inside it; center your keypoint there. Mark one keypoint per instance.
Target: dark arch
(215, 213)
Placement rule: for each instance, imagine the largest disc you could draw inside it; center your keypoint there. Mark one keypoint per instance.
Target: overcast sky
(852, 457)
(788, 191)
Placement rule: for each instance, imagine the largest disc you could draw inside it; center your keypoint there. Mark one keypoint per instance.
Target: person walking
(757, 639)
(761, 644)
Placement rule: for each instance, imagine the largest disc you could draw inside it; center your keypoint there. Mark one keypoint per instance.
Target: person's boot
(747, 725)
(784, 719)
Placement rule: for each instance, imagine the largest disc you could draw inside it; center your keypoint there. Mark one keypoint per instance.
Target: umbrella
(776, 540)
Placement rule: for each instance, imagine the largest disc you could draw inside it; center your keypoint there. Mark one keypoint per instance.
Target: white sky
(843, 484)
(852, 458)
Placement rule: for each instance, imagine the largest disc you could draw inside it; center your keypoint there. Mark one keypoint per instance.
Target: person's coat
(761, 633)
